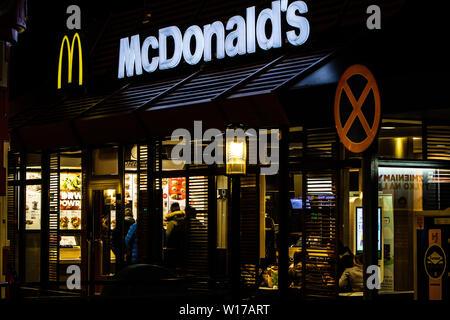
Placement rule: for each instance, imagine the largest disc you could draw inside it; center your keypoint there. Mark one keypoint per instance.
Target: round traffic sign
(357, 126)
(435, 261)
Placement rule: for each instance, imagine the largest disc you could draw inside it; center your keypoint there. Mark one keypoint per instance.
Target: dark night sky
(34, 58)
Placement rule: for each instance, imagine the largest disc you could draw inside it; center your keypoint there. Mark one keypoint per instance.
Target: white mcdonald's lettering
(70, 46)
(242, 38)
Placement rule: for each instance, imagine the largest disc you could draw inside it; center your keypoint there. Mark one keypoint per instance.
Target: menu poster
(70, 219)
(31, 175)
(68, 241)
(174, 190)
(131, 192)
(113, 219)
(70, 201)
(33, 207)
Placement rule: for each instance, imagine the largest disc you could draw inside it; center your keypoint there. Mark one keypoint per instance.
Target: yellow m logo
(70, 48)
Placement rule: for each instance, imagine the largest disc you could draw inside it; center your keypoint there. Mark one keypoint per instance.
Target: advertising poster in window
(388, 242)
(174, 190)
(131, 193)
(70, 201)
(33, 207)
(402, 196)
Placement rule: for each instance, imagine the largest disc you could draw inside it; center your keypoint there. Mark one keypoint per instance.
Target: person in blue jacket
(131, 242)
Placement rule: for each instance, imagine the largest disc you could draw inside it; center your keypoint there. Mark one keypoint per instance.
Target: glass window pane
(400, 140)
(269, 219)
(105, 161)
(70, 202)
(32, 256)
(33, 207)
(411, 198)
(33, 162)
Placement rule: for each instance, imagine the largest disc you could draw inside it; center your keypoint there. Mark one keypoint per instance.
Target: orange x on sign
(343, 128)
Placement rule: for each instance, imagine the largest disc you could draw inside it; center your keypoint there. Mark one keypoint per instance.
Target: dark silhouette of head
(174, 207)
(359, 259)
(190, 212)
(128, 212)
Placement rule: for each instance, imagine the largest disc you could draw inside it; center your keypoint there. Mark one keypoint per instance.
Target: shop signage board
(435, 262)
(238, 36)
(358, 130)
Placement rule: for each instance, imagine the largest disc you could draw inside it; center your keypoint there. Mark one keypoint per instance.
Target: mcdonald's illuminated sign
(70, 47)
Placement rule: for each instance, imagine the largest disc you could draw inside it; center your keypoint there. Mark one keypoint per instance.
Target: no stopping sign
(357, 108)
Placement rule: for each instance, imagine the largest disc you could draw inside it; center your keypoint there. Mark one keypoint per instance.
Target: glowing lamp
(236, 156)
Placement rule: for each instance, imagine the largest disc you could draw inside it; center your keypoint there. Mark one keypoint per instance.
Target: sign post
(357, 113)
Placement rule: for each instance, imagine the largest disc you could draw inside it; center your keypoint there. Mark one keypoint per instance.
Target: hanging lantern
(236, 155)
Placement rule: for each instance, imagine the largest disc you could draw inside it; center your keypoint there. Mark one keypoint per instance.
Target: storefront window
(131, 181)
(33, 207)
(296, 143)
(70, 200)
(174, 191)
(407, 195)
(167, 163)
(105, 161)
(269, 237)
(33, 192)
(400, 139)
(70, 216)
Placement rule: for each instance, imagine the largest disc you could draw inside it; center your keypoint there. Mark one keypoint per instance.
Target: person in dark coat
(116, 239)
(175, 226)
(192, 221)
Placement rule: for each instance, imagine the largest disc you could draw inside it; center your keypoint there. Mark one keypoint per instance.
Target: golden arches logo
(70, 47)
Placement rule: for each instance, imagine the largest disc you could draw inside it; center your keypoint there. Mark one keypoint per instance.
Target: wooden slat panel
(197, 228)
(12, 194)
(157, 164)
(320, 230)
(321, 143)
(438, 143)
(143, 224)
(85, 222)
(436, 191)
(249, 232)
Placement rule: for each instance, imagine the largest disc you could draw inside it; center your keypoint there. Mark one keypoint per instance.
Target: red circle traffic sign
(344, 88)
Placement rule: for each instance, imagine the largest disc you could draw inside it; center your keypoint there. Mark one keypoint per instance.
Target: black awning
(216, 95)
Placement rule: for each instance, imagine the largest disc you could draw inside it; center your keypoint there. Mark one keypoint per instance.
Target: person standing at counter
(346, 258)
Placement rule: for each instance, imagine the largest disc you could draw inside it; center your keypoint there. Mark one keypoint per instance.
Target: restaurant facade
(349, 111)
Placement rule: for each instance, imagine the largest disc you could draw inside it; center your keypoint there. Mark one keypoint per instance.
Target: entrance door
(103, 220)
